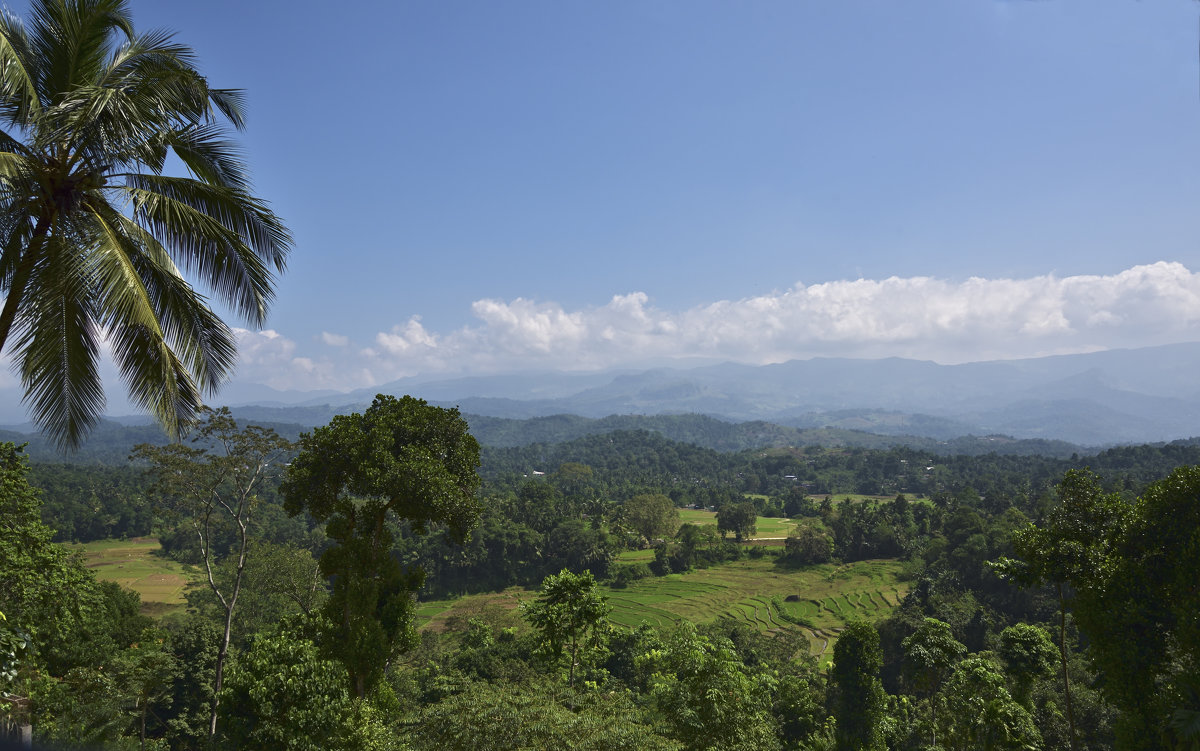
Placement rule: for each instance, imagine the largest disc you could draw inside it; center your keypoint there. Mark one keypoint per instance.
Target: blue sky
(486, 187)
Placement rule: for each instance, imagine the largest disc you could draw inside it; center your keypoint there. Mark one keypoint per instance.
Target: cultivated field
(822, 599)
(817, 600)
(135, 564)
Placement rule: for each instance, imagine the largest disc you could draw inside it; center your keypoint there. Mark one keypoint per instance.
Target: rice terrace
(816, 600)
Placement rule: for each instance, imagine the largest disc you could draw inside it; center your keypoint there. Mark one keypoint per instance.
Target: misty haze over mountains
(1115, 396)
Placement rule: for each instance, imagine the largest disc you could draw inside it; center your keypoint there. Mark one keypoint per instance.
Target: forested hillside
(111, 442)
(940, 526)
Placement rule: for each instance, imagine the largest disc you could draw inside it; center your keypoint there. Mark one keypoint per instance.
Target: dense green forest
(86, 501)
(1025, 574)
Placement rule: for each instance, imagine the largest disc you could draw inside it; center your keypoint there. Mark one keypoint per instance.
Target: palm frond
(232, 104)
(8, 143)
(58, 347)
(16, 168)
(138, 279)
(210, 157)
(157, 380)
(144, 53)
(19, 100)
(14, 236)
(75, 39)
(226, 236)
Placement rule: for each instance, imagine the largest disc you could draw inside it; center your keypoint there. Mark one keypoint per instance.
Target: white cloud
(269, 357)
(919, 317)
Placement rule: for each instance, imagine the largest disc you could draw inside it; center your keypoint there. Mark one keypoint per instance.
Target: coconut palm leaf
(97, 244)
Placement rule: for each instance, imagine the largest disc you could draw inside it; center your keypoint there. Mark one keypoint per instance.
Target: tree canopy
(400, 460)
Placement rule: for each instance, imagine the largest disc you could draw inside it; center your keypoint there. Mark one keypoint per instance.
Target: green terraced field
(752, 591)
(135, 564)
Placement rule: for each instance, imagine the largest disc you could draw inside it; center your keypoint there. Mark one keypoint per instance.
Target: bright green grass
(767, 527)
(135, 564)
(636, 556)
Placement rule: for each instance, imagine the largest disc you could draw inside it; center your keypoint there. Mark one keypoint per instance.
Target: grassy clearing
(497, 608)
(636, 556)
(770, 531)
(767, 526)
(136, 564)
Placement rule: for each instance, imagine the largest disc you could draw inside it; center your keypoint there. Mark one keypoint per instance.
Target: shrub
(625, 574)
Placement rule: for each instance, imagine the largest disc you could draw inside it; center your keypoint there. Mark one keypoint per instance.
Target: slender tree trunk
(204, 531)
(223, 652)
(571, 672)
(1062, 650)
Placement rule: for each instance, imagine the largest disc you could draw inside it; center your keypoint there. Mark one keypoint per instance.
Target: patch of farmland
(138, 564)
(816, 601)
(823, 598)
(452, 614)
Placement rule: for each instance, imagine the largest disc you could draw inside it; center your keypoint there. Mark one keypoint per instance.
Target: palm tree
(98, 240)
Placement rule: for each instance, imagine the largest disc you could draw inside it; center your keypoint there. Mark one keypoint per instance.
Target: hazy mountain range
(1115, 396)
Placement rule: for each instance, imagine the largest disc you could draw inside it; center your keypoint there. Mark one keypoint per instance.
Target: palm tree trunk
(16, 290)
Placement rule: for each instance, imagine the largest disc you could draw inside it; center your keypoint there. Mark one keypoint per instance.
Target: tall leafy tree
(929, 655)
(1068, 551)
(399, 461)
(569, 613)
(738, 518)
(1028, 654)
(283, 694)
(859, 702)
(980, 714)
(1140, 615)
(652, 515)
(97, 242)
(707, 697)
(46, 595)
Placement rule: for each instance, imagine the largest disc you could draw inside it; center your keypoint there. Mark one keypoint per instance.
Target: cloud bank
(916, 317)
